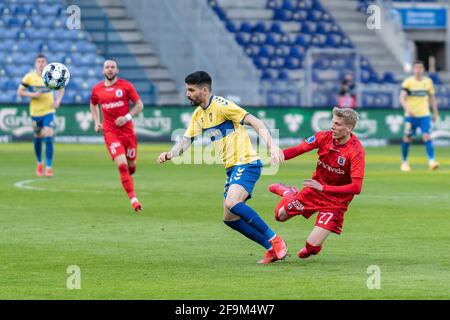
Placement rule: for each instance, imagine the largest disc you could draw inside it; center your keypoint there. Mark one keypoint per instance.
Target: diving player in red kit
(114, 95)
(338, 177)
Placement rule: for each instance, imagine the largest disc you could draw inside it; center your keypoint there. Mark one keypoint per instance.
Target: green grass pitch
(179, 248)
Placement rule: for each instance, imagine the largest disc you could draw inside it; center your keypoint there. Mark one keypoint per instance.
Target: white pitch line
(24, 185)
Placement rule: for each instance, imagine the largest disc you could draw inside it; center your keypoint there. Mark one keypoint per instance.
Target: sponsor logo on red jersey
(113, 105)
(330, 168)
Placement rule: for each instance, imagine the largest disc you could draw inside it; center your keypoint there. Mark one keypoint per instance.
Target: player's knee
(426, 137)
(407, 139)
(132, 169)
(281, 214)
(230, 203)
(47, 132)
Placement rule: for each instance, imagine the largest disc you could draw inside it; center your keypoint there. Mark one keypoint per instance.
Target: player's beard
(111, 78)
(194, 102)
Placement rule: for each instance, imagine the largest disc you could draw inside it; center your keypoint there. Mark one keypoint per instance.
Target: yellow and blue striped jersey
(418, 92)
(43, 105)
(222, 123)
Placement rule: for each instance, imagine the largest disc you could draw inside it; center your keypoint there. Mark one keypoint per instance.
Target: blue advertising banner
(423, 18)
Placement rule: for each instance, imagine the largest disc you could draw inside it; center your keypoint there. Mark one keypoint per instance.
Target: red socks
(127, 180)
(312, 249)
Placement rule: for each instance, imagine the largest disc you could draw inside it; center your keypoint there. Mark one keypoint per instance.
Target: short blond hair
(349, 116)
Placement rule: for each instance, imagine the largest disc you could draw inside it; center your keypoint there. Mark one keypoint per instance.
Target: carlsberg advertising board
(74, 124)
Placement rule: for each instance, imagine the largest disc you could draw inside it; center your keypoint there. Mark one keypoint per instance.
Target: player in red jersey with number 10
(113, 95)
(338, 177)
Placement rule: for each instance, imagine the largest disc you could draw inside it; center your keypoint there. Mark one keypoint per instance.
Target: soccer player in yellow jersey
(42, 111)
(416, 96)
(222, 121)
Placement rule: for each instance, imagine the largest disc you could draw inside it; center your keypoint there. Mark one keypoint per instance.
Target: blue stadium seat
(231, 26)
(4, 83)
(315, 15)
(276, 62)
(293, 63)
(309, 27)
(276, 28)
(50, 10)
(389, 77)
(267, 51)
(283, 15)
(261, 62)
(435, 78)
(17, 70)
(288, 5)
(273, 39)
(246, 27)
(252, 50)
(266, 75)
(220, 13)
(283, 75)
(38, 22)
(86, 47)
(243, 38)
(297, 52)
(70, 93)
(288, 39)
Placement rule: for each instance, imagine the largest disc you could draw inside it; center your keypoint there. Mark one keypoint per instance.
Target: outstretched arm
(275, 153)
(293, 152)
(177, 150)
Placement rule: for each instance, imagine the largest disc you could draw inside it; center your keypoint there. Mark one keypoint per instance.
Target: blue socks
(48, 151)
(38, 149)
(250, 232)
(430, 149)
(405, 149)
(253, 219)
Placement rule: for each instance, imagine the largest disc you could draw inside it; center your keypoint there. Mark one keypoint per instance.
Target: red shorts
(307, 202)
(119, 143)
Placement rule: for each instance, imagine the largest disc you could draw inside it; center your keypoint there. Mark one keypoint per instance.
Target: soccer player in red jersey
(114, 95)
(338, 177)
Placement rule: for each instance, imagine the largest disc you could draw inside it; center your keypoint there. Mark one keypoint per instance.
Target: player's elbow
(20, 92)
(139, 106)
(358, 188)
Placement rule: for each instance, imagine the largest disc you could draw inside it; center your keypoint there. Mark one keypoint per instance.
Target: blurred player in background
(42, 111)
(222, 121)
(415, 97)
(114, 95)
(338, 177)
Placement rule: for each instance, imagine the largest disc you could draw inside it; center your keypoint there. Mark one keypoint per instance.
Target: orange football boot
(279, 247)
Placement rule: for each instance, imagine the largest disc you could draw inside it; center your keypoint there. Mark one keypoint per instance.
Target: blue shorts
(412, 123)
(244, 175)
(44, 121)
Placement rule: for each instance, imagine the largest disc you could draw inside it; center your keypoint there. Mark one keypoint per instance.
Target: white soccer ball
(56, 76)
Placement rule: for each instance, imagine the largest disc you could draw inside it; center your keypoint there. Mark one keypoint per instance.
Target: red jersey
(337, 164)
(114, 102)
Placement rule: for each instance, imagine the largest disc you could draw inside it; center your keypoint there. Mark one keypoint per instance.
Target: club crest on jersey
(296, 204)
(341, 160)
(311, 139)
(119, 93)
